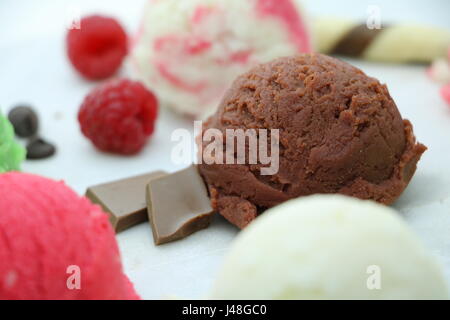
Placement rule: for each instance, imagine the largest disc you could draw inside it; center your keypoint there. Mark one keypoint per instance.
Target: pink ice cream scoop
(189, 52)
(55, 244)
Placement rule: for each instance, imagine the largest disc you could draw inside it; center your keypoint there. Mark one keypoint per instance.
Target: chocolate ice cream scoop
(339, 132)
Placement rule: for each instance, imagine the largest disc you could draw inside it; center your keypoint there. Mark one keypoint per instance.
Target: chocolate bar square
(178, 205)
(124, 200)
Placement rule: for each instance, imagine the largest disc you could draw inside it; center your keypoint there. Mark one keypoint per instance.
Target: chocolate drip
(356, 41)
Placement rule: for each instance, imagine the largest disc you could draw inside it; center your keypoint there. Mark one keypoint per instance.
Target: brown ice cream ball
(340, 132)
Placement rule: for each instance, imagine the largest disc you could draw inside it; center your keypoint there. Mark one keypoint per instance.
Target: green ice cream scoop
(11, 153)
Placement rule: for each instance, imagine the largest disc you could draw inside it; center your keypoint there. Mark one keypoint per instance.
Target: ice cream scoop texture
(189, 52)
(55, 244)
(329, 247)
(339, 132)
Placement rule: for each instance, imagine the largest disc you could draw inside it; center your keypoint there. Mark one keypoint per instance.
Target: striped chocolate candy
(400, 43)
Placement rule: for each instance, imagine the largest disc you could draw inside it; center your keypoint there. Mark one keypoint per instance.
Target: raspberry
(98, 48)
(119, 116)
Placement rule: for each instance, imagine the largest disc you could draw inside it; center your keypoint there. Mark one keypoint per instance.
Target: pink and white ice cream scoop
(189, 51)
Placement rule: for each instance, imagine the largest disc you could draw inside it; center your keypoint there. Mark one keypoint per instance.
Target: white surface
(34, 69)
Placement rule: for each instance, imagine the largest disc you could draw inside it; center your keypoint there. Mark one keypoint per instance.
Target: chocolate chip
(39, 149)
(24, 121)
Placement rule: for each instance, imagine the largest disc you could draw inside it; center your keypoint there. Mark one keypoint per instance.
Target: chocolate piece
(356, 41)
(39, 149)
(124, 200)
(24, 121)
(178, 205)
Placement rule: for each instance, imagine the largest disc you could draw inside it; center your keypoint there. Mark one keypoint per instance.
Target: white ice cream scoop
(329, 247)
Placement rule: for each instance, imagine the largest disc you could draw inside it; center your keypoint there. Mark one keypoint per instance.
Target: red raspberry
(98, 48)
(119, 116)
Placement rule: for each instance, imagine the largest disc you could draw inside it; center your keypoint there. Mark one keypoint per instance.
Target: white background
(34, 69)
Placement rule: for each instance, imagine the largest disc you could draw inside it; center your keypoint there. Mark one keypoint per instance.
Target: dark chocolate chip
(39, 149)
(24, 121)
